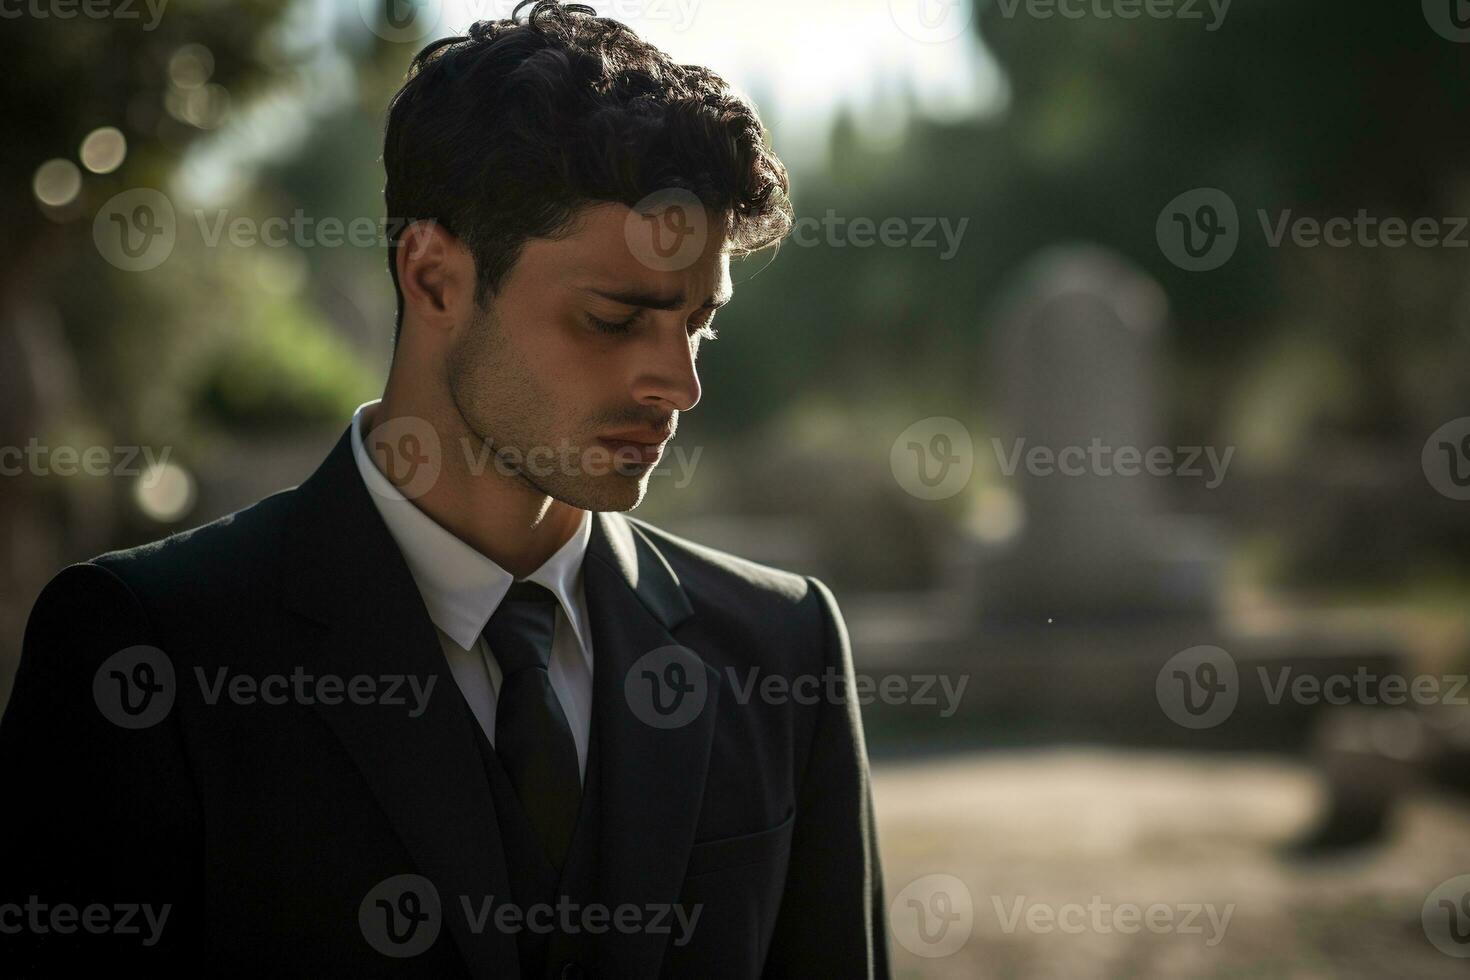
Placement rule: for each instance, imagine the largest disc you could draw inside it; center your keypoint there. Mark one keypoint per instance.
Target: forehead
(670, 251)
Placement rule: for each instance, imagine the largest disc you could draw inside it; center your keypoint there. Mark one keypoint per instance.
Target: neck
(502, 517)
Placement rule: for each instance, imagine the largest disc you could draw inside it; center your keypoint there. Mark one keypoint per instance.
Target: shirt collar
(461, 587)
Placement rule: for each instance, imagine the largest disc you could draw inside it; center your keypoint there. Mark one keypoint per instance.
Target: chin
(611, 492)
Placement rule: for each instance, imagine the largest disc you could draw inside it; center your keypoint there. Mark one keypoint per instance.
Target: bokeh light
(104, 150)
(57, 183)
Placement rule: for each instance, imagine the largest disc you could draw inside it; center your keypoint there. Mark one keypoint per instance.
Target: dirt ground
(1083, 863)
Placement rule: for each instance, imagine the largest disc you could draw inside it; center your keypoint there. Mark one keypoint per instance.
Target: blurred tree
(162, 74)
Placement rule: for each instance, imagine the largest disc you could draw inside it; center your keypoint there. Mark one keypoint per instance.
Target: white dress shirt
(461, 588)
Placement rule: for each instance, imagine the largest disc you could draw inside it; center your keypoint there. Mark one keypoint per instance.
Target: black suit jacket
(263, 827)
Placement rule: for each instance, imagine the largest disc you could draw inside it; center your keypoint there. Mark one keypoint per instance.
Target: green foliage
(283, 370)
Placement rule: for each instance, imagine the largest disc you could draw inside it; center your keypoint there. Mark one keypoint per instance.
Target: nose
(667, 376)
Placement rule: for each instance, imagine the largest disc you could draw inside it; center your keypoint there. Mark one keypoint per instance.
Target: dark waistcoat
(560, 952)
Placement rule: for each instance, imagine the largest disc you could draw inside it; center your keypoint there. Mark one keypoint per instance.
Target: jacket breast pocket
(734, 852)
(734, 886)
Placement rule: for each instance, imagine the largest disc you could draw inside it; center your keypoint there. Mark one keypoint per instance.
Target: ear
(436, 274)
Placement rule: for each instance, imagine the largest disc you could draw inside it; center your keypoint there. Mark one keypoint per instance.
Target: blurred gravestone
(1074, 365)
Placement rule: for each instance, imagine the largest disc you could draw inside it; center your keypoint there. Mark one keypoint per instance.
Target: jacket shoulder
(763, 605)
(700, 567)
(753, 614)
(227, 556)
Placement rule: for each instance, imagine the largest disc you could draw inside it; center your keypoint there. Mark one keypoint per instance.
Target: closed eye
(705, 330)
(610, 326)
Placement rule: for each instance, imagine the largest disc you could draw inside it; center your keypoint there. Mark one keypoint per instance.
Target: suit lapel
(345, 572)
(652, 778)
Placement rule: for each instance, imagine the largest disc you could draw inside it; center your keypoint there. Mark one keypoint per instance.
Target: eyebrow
(654, 301)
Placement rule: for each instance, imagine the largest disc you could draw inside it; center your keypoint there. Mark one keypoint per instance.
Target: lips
(635, 447)
(636, 438)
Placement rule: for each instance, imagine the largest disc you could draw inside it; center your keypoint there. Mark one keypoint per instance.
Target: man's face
(588, 350)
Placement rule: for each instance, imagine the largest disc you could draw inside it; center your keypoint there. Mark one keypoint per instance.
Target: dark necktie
(532, 738)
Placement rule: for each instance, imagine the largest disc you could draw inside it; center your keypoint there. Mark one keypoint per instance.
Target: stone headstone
(1073, 365)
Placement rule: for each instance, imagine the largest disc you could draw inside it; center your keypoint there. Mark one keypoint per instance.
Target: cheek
(577, 382)
(587, 364)
(573, 366)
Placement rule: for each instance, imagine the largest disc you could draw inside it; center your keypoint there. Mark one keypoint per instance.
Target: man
(443, 710)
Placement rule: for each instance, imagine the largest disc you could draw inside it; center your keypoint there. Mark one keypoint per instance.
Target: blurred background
(1116, 378)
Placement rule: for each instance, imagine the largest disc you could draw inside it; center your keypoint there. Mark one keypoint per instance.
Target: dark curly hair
(504, 134)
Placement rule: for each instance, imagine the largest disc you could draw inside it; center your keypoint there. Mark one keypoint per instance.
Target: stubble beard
(508, 416)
